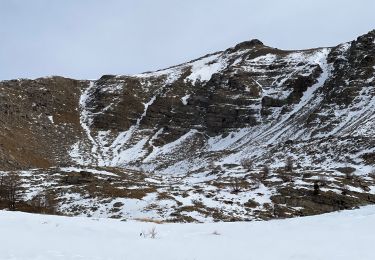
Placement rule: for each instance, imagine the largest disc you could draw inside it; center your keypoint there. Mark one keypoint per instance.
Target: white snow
(358, 112)
(320, 58)
(146, 105)
(184, 99)
(170, 147)
(50, 118)
(265, 60)
(85, 119)
(203, 69)
(343, 235)
(171, 74)
(219, 143)
(130, 154)
(93, 171)
(75, 154)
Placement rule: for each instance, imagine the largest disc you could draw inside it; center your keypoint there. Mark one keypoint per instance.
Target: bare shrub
(289, 164)
(3, 192)
(323, 180)
(152, 233)
(255, 184)
(10, 189)
(235, 185)
(212, 165)
(345, 190)
(45, 202)
(247, 163)
(349, 175)
(216, 233)
(363, 185)
(287, 178)
(214, 168)
(316, 188)
(156, 221)
(265, 171)
(372, 174)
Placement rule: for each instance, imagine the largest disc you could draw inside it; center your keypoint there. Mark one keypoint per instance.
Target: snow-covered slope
(175, 139)
(237, 104)
(343, 235)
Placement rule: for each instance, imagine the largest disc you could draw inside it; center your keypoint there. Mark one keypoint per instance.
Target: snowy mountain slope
(228, 194)
(270, 96)
(190, 126)
(341, 235)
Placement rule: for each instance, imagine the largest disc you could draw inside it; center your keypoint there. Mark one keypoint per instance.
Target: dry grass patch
(150, 220)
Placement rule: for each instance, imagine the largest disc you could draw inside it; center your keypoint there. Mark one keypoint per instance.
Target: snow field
(341, 235)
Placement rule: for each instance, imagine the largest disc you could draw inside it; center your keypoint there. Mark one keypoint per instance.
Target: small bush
(235, 186)
(10, 189)
(349, 175)
(345, 190)
(372, 174)
(45, 202)
(247, 163)
(255, 184)
(323, 180)
(152, 233)
(289, 164)
(316, 188)
(265, 171)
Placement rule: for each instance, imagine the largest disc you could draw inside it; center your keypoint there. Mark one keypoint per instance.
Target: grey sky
(88, 38)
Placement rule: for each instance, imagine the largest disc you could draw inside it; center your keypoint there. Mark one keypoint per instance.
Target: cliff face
(250, 101)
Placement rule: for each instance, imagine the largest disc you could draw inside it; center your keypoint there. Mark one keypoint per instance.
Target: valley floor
(340, 235)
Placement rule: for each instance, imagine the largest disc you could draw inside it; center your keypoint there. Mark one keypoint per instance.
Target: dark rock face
(323, 202)
(247, 44)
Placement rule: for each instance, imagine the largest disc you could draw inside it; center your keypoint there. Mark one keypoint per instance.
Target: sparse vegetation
(152, 233)
(247, 163)
(236, 185)
(265, 171)
(323, 179)
(156, 221)
(98, 191)
(316, 188)
(345, 190)
(372, 174)
(349, 175)
(45, 202)
(289, 164)
(10, 190)
(255, 184)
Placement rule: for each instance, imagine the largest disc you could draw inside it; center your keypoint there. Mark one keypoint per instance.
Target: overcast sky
(88, 38)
